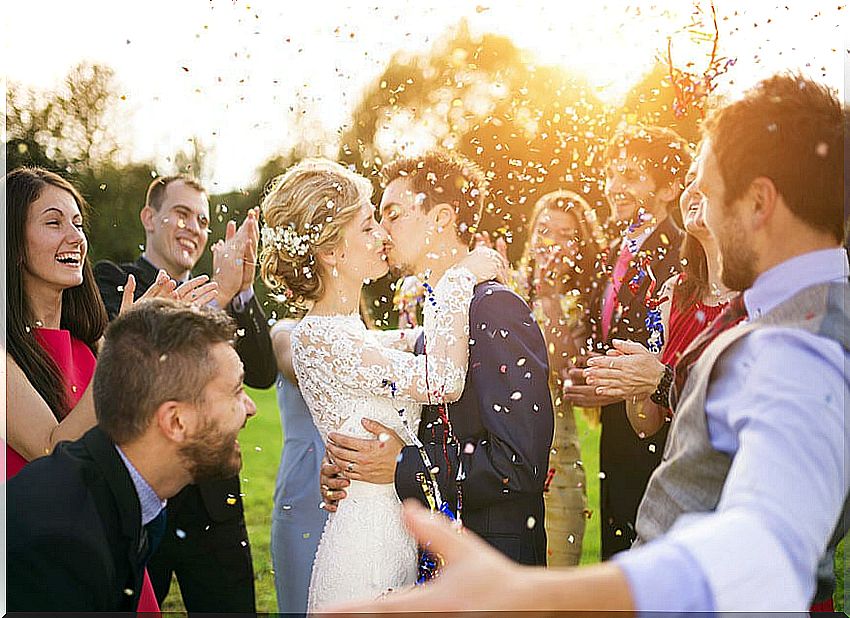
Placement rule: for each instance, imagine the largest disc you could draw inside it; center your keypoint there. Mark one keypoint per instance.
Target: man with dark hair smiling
(83, 521)
(645, 168)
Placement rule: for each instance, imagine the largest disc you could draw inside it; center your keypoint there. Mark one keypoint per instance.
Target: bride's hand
(486, 264)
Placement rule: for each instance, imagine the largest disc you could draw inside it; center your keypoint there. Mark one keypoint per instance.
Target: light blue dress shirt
(150, 503)
(776, 406)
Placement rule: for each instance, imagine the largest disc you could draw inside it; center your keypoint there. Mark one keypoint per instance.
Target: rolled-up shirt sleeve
(776, 405)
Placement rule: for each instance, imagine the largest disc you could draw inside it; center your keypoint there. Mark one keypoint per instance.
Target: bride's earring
(335, 272)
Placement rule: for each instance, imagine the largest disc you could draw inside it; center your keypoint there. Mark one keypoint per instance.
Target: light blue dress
(297, 520)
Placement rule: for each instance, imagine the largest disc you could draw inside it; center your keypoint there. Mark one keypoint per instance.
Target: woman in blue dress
(297, 519)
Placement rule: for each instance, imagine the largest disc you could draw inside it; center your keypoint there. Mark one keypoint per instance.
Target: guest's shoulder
(51, 484)
(110, 269)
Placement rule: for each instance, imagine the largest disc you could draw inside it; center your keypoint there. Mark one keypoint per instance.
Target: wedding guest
(83, 520)
(645, 168)
(207, 543)
(689, 303)
(753, 485)
(55, 320)
(297, 519)
(556, 275)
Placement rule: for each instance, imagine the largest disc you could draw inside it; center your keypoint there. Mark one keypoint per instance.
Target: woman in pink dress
(55, 321)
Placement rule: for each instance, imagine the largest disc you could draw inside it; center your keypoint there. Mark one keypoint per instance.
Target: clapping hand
(629, 370)
(197, 291)
(579, 393)
(235, 257)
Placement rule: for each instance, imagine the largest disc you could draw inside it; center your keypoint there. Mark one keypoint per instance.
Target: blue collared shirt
(148, 500)
(776, 406)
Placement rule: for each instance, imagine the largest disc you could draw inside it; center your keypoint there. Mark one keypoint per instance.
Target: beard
(211, 454)
(737, 260)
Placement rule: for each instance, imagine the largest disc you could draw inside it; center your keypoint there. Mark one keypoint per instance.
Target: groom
(489, 451)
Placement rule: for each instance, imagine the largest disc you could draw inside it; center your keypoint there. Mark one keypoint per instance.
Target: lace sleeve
(326, 354)
(398, 339)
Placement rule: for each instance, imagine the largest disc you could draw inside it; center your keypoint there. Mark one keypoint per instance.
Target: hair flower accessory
(288, 239)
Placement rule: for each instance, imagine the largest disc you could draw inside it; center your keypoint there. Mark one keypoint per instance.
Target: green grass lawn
(261, 442)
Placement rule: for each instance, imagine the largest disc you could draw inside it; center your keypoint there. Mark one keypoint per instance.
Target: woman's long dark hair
(693, 283)
(83, 312)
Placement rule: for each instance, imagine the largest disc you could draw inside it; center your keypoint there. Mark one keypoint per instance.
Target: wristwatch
(661, 396)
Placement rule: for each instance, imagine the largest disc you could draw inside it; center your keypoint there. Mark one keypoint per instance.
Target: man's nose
(250, 408)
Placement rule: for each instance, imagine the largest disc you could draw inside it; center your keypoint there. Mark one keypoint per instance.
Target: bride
(320, 242)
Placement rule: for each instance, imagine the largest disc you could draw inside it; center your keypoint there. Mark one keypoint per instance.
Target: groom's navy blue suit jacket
(503, 425)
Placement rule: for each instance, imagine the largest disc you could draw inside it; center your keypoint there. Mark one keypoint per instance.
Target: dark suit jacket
(628, 322)
(198, 504)
(503, 423)
(627, 459)
(254, 344)
(75, 538)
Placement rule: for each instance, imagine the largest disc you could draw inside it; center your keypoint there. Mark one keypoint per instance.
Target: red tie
(734, 312)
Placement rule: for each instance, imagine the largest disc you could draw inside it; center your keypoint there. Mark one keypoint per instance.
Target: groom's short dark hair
(444, 177)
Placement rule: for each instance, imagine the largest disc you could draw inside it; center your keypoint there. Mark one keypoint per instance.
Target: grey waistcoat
(692, 473)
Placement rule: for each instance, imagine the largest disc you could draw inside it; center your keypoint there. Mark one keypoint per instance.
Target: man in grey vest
(751, 490)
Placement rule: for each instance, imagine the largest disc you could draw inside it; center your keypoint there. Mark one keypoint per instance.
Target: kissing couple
(458, 416)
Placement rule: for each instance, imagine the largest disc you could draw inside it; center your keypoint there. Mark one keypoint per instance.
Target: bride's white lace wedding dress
(347, 372)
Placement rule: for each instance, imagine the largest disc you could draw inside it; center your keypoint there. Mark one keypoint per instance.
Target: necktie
(155, 531)
(609, 304)
(733, 314)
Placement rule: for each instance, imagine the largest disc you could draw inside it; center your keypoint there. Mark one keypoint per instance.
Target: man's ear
(147, 215)
(763, 201)
(444, 215)
(175, 420)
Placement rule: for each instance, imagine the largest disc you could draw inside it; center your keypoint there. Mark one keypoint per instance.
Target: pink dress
(76, 363)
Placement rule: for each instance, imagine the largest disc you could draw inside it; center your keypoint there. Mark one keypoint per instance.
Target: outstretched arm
(472, 567)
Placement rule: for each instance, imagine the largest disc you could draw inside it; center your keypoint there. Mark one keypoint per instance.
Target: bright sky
(236, 73)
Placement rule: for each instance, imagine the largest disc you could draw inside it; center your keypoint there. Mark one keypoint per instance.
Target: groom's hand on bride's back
(372, 460)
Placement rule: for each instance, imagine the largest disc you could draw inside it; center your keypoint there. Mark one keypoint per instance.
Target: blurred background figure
(689, 303)
(555, 276)
(297, 519)
(645, 171)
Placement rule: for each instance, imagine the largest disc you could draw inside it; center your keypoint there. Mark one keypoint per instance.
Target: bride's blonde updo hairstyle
(304, 210)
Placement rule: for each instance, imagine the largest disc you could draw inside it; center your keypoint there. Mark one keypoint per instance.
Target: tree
(532, 128)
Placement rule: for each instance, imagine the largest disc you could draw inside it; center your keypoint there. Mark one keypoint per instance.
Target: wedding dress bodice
(346, 373)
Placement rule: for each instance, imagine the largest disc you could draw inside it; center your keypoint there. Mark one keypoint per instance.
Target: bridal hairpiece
(288, 239)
